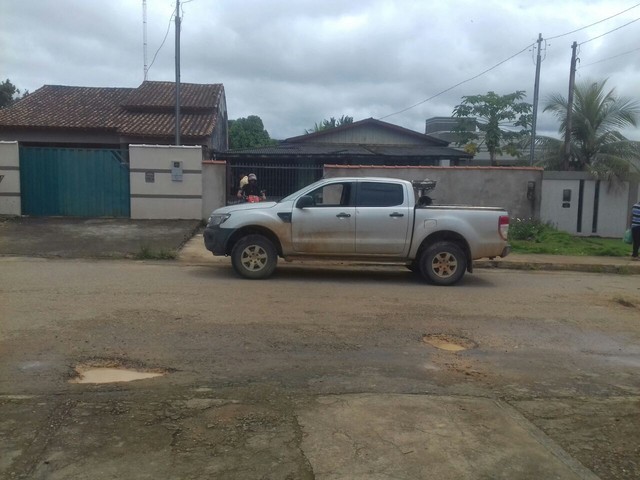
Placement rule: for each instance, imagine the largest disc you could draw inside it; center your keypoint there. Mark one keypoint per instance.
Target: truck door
(329, 224)
(382, 218)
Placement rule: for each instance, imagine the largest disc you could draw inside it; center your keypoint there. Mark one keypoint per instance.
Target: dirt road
(323, 372)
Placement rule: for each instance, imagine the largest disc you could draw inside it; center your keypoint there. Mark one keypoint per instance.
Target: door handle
(343, 215)
(396, 214)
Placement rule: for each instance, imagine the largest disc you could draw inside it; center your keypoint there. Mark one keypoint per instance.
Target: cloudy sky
(295, 62)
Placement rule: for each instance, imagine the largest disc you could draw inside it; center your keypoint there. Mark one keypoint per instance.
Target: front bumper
(216, 238)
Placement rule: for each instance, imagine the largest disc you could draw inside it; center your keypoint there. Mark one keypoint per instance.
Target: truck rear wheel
(443, 263)
(254, 257)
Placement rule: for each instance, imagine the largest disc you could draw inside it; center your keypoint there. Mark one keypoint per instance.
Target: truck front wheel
(443, 263)
(254, 257)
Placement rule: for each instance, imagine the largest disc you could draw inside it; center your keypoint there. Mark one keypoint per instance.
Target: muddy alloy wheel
(254, 257)
(443, 263)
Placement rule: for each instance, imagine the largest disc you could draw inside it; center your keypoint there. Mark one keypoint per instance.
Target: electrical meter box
(176, 171)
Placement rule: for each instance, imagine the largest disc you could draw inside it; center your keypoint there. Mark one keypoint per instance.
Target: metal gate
(278, 179)
(77, 182)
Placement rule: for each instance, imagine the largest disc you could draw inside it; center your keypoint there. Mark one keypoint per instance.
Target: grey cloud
(295, 63)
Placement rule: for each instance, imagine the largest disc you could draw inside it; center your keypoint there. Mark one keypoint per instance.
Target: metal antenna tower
(144, 38)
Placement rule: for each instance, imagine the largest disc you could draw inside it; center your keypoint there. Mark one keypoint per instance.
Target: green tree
(248, 132)
(9, 93)
(597, 146)
(331, 123)
(492, 120)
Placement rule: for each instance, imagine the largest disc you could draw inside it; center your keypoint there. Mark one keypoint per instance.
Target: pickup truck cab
(363, 219)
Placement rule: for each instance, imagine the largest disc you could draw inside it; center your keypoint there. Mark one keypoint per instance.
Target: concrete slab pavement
(134, 433)
(91, 237)
(366, 436)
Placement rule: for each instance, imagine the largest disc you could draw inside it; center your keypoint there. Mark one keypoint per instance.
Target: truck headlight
(217, 219)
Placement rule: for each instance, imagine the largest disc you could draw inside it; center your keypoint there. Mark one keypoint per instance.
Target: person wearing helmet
(251, 189)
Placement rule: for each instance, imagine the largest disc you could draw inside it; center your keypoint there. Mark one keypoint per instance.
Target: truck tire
(443, 263)
(254, 257)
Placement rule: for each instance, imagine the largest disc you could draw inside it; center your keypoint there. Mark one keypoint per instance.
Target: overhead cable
(518, 53)
(610, 58)
(163, 40)
(610, 31)
(595, 23)
(460, 83)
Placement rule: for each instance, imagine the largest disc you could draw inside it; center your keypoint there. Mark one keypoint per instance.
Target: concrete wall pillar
(214, 186)
(155, 191)
(10, 203)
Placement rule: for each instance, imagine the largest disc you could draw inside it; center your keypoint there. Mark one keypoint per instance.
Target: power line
(610, 58)
(518, 53)
(596, 23)
(610, 31)
(163, 40)
(460, 83)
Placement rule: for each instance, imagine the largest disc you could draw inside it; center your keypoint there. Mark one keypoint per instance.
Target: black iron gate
(278, 179)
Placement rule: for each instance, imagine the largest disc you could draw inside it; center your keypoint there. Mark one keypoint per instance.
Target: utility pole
(536, 90)
(567, 133)
(177, 72)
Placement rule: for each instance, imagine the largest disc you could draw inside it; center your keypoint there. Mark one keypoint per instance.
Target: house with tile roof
(97, 117)
(300, 160)
(72, 156)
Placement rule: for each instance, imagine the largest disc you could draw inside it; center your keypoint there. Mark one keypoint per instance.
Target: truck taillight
(503, 226)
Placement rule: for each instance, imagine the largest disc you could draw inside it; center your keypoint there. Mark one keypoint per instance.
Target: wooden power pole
(536, 91)
(567, 133)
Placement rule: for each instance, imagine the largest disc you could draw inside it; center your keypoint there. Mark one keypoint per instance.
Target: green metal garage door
(76, 182)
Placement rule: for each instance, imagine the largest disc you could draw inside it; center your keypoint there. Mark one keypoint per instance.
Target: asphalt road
(319, 372)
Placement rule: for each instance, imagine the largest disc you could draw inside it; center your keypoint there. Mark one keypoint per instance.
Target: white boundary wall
(576, 203)
(155, 193)
(10, 203)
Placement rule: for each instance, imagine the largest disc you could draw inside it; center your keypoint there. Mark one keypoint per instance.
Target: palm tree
(596, 145)
(331, 123)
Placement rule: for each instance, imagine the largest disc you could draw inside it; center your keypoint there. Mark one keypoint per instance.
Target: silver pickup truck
(363, 219)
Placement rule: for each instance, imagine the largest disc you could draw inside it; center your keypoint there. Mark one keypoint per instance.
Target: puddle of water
(450, 343)
(110, 375)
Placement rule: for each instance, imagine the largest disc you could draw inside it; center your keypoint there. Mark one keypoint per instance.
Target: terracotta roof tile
(159, 124)
(66, 107)
(143, 111)
(162, 95)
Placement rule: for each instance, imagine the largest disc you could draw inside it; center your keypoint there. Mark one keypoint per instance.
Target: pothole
(450, 343)
(111, 374)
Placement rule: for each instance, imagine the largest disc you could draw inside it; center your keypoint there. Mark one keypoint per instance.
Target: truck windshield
(296, 193)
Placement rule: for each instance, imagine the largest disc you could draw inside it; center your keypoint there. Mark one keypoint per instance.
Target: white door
(329, 224)
(382, 218)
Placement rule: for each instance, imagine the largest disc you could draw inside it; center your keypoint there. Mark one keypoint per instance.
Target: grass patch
(532, 236)
(148, 253)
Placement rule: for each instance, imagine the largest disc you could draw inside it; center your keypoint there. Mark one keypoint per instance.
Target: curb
(561, 267)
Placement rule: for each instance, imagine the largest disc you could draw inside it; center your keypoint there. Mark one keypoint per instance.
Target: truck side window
(334, 195)
(374, 194)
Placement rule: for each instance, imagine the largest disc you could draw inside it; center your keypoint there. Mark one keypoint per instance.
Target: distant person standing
(635, 230)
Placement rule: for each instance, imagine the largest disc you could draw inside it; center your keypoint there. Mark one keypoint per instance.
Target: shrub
(528, 229)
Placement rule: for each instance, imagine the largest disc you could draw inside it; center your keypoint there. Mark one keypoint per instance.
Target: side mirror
(305, 201)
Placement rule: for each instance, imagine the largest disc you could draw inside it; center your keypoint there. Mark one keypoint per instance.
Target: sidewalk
(195, 252)
(526, 261)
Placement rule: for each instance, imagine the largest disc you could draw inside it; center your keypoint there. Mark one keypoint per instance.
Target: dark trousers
(635, 234)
